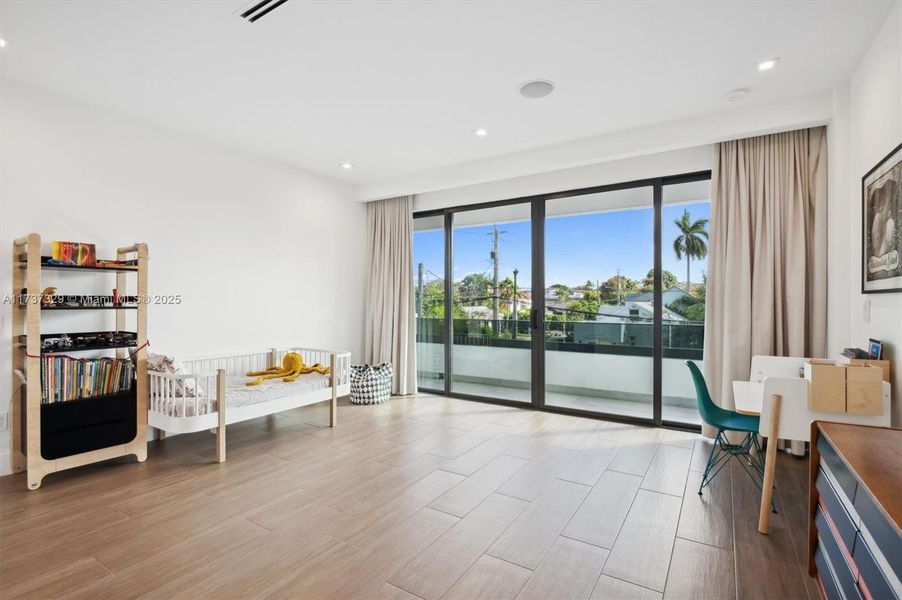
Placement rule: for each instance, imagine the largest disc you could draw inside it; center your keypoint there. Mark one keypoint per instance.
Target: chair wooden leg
(770, 465)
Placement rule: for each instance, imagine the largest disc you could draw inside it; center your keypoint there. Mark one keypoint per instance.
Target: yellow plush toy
(292, 366)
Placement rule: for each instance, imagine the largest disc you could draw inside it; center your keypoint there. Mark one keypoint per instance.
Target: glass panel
(599, 329)
(684, 227)
(429, 300)
(491, 354)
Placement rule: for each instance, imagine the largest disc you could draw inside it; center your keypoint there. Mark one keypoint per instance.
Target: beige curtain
(766, 289)
(389, 330)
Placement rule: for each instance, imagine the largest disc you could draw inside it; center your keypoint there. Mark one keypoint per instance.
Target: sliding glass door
(491, 287)
(429, 301)
(587, 302)
(684, 230)
(599, 302)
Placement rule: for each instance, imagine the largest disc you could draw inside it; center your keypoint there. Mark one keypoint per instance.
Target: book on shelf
(64, 378)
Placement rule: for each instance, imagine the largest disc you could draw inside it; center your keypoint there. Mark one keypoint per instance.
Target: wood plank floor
(423, 497)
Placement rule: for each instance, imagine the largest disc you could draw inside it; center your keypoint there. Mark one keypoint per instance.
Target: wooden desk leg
(770, 465)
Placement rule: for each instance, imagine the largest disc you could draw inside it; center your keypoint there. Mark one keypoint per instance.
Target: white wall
(263, 254)
(867, 125)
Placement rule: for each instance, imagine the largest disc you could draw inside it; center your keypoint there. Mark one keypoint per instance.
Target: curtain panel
(390, 335)
(767, 277)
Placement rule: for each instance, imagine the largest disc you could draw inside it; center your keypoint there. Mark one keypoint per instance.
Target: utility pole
(514, 335)
(420, 290)
(495, 279)
(618, 286)
(600, 301)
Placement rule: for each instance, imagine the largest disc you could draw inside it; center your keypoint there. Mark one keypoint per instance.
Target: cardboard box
(826, 385)
(864, 389)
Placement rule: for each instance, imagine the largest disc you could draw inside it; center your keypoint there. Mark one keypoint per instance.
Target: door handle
(535, 319)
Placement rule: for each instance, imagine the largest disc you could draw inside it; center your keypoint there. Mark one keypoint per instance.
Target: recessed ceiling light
(346, 165)
(537, 88)
(480, 132)
(2, 43)
(769, 64)
(737, 94)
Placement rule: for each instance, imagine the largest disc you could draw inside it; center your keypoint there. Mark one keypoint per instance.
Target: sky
(577, 248)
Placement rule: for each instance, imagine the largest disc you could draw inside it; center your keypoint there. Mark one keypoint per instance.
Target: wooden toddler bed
(193, 400)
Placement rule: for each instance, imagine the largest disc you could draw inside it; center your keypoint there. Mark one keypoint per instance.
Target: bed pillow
(164, 363)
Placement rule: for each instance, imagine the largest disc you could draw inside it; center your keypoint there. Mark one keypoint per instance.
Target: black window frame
(537, 213)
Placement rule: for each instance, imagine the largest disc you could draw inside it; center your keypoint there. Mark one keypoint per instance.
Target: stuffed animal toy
(292, 366)
(47, 296)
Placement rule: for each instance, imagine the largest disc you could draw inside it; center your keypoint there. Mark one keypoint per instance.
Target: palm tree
(692, 241)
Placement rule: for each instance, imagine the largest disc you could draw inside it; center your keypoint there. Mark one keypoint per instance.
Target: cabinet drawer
(888, 541)
(844, 477)
(870, 574)
(825, 574)
(838, 513)
(845, 573)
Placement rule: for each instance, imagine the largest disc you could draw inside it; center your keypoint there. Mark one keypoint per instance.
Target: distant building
(635, 312)
(669, 296)
(630, 325)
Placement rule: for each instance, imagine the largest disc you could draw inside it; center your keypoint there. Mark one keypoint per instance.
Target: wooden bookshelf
(47, 438)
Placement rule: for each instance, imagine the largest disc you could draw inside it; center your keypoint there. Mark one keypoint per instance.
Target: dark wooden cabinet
(855, 511)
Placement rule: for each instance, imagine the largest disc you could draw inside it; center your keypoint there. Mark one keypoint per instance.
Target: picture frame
(881, 226)
(875, 349)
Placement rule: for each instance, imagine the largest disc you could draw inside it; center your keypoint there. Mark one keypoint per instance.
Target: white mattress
(238, 394)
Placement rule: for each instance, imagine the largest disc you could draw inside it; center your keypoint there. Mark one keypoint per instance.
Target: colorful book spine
(64, 378)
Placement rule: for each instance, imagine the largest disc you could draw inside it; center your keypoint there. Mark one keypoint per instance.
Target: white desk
(786, 416)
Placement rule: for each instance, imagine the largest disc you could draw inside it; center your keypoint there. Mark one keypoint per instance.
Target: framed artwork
(881, 218)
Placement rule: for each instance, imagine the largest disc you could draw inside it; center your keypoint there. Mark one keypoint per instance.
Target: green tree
(506, 289)
(434, 299)
(692, 241)
(609, 289)
(506, 293)
(701, 289)
(475, 289)
(696, 312)
(584, 310)
(682, 305)
(590, 294)
(561, 291)
(668, 280)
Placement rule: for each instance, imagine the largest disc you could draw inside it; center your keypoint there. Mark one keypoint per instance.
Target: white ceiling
(398, 87)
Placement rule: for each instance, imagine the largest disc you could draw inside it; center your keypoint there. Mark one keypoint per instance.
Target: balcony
(598, 367)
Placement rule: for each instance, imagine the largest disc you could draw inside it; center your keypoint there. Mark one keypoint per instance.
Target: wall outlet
(4, 421)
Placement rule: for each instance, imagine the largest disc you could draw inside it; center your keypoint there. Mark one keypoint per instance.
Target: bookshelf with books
(74, 410)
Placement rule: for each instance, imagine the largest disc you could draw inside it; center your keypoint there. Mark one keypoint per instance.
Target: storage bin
(371, 384)
(78, 426)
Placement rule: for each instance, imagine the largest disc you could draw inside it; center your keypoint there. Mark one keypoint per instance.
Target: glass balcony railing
(589, 365)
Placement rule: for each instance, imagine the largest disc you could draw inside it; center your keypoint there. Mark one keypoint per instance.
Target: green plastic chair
(727, 420)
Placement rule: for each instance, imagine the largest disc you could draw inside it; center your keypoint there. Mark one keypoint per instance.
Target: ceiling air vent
(260, 9)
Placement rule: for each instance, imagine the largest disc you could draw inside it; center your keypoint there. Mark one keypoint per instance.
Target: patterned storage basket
(370, 385)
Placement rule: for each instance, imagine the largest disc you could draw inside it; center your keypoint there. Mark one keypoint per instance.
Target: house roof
(649, 296)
